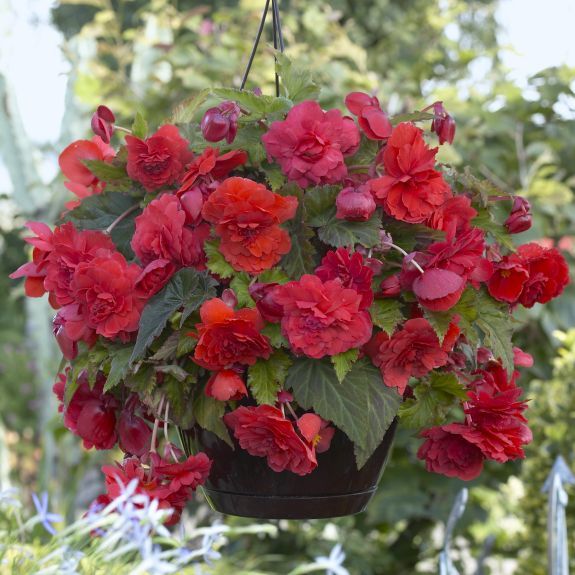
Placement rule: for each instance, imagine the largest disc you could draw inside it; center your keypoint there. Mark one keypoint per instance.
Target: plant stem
(413, 262)
(121, 217)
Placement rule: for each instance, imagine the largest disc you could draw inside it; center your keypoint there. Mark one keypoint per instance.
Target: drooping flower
(263, 295)
(355, 204)
(520, 218)
(316, 431)
(162, 234)
(412, 351)
(188, 474)
(264, 431)
(438, 289)
(134, 433)
(80, 180)
(508, 279)
(105, 289)
(371, 118)
(247, 217)
(411, 189)
(91, 413)
(548, 274)
(351, 270)
(159, 160)
(221, 122)
(310, 145)
(103, 123)
(443, 124)
(447, 451)
(228, 336)
(226, 385)
(322, 318)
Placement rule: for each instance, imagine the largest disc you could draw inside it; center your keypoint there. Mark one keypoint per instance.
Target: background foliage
(148, 55)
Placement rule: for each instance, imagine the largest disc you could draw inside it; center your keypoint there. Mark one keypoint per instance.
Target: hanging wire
(277, 38)
(255, 46)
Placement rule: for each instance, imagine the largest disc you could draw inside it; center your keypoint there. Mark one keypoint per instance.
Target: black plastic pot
(240, 484)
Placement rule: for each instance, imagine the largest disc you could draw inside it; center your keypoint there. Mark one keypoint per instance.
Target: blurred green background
(147, 55)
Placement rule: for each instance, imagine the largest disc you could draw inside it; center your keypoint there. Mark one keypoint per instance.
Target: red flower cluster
(322, 318)
(171, 484)
(263, 431)
(247, 217)
(411, 189)
(412, 351)
(164, 234)
(95, 416)
(158, 161)
(310, 145)
(227, 337)
(533, 275)
(495, 429)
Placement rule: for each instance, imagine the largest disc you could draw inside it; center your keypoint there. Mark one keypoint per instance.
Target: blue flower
(43, 515)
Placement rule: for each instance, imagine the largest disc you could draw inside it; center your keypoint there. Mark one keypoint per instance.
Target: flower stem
(121, 217)
(413, 262)
(122, 129)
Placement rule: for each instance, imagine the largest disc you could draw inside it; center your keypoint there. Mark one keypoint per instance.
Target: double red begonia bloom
(412, 351)
(264, 431)
(209, 169)
(411, 189)
(322, 318)
(350, 269)
(162, 234)
(447, 451)
(227, 336)
(371, 118)
(534, 274)
(171, 484)
(310, 145)
(247, 217)
(158, 161)
(81, 181)
(548, 274)
(452, 217)
(91, 413)
(105, 288)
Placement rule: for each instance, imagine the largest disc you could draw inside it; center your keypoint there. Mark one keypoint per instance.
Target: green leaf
(143, 381)
(274, 176)
(105, 171)
(343, 362)
(275, 275)
(217, 264)
(208, 413)
(100, 211)
(180, 395)
(119, 366)
(240, 284)
(249, 139)
(301, 258)
(466, 309)
(338, 233)
(319, 205)
(362, 406)
(496, 324)
(366, 153)
(273, 332)
(433, 400)
(174, 370)
(266, 377)
(187, 288)
(386, 314)
(186, 344)
(296, 81)
(140, 126)
(96, 357)
(498, 232)
(168, 349)
(258, 106)
(186, 110)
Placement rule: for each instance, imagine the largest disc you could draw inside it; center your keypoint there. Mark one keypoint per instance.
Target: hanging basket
(240, 484)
